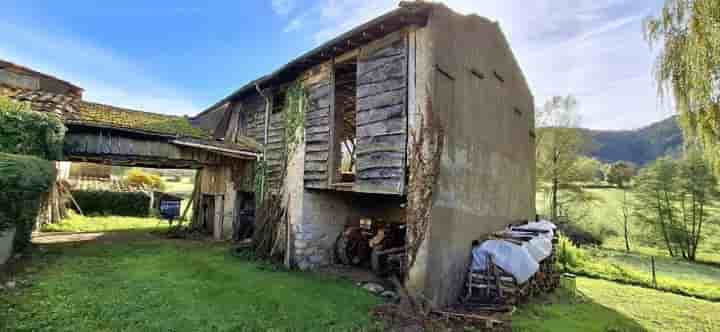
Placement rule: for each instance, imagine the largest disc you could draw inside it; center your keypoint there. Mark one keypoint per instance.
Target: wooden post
(652, 263)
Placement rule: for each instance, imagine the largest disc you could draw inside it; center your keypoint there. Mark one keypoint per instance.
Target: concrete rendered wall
(487, 173)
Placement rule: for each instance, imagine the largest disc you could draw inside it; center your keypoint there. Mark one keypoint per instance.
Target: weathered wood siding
(382, 116)
(254, 108)
(250, 121)
(275, 154)
(125, 150)
(317, 128)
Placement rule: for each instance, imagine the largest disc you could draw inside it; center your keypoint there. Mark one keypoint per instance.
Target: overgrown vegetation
(295, 102)
(130, 204)
(23, 131)
(24, 181)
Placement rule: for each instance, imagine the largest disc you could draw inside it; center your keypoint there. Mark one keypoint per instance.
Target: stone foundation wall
(325, 215)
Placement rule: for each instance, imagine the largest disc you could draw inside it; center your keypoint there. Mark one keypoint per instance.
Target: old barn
(419, 122)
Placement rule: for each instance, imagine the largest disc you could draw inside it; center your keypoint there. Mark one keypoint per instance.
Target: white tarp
(522, 261)
(542, 225)
(539, 247)
(512, 258)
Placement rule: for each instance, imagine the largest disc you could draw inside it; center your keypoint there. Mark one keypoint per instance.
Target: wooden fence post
(652, 263)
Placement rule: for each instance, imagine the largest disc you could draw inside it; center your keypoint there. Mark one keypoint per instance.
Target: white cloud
(590, 48)
(283, 7)
(294, 24)
(107, 77)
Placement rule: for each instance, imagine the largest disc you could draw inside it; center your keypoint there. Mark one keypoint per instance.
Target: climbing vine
(424, 163)
(295, 103)
(260, 180)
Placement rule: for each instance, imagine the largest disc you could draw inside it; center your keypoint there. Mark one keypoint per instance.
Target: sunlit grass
(609, 306)
(78, 223)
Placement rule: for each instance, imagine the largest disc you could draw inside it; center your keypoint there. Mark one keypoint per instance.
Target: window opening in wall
(344, 121)
(278, 102)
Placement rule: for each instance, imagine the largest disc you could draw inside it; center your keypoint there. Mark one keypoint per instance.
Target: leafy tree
(688, 66)
(624, 216)
(655, 192)
(589, 169)
(139, 177)
(676, 198)
(620, 172)
(559, 144)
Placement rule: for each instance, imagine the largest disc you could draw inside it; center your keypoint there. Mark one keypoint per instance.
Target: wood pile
(494, 288)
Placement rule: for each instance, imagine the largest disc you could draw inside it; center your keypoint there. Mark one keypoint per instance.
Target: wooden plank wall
(317, 128)
(382, 116)
(110, 145)
(253, 107)
(275, 154)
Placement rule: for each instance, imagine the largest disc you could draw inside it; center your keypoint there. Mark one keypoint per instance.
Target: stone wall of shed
(325, 215)
(468, 73)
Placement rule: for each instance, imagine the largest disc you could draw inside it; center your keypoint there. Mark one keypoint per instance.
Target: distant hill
(640, 145)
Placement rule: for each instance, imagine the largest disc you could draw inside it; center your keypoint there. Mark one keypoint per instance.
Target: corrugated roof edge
(405, 8)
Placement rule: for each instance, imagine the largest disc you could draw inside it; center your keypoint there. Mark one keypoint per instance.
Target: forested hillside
(640, 145)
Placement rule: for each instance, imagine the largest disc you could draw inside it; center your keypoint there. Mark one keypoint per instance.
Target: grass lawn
(78, 223)
(609, 306)
(166, 285)
(672, 274)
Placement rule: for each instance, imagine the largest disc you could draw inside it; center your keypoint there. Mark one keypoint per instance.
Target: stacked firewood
(494, 288)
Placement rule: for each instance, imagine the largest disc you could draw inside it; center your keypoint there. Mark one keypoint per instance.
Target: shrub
(23, 131)
(24, 180)
(138, 177)
(569, 256)
(129, 204)
(580, 236)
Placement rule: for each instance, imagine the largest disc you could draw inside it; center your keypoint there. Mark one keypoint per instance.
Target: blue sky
(179, 57)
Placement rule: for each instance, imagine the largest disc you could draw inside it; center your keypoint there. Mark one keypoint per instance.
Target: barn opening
(345, 113)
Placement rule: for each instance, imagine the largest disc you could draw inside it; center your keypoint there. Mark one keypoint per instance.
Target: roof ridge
(131, 110)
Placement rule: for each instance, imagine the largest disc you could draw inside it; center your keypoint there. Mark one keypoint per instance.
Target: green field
(78, 223)
(611, 261)
(608, 306)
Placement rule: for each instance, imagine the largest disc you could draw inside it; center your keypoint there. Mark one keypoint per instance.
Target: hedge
(129, 204)
(23, 131)
(24, 181)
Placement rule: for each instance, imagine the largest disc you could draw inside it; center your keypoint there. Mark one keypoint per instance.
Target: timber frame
(432, 88)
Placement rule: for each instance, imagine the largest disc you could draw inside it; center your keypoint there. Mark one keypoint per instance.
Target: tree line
(674, 198)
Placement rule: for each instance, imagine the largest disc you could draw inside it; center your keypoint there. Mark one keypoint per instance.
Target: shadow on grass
(563, 311)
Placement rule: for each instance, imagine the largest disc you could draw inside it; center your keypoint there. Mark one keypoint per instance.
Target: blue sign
(169, 209)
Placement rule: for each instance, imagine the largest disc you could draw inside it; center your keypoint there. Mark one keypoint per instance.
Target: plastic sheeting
(512, 258)
(522, 261)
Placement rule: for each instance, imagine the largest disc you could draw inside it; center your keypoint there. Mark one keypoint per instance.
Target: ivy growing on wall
(295, 103)
(294, 115)
(260, 181)
(23, 131)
